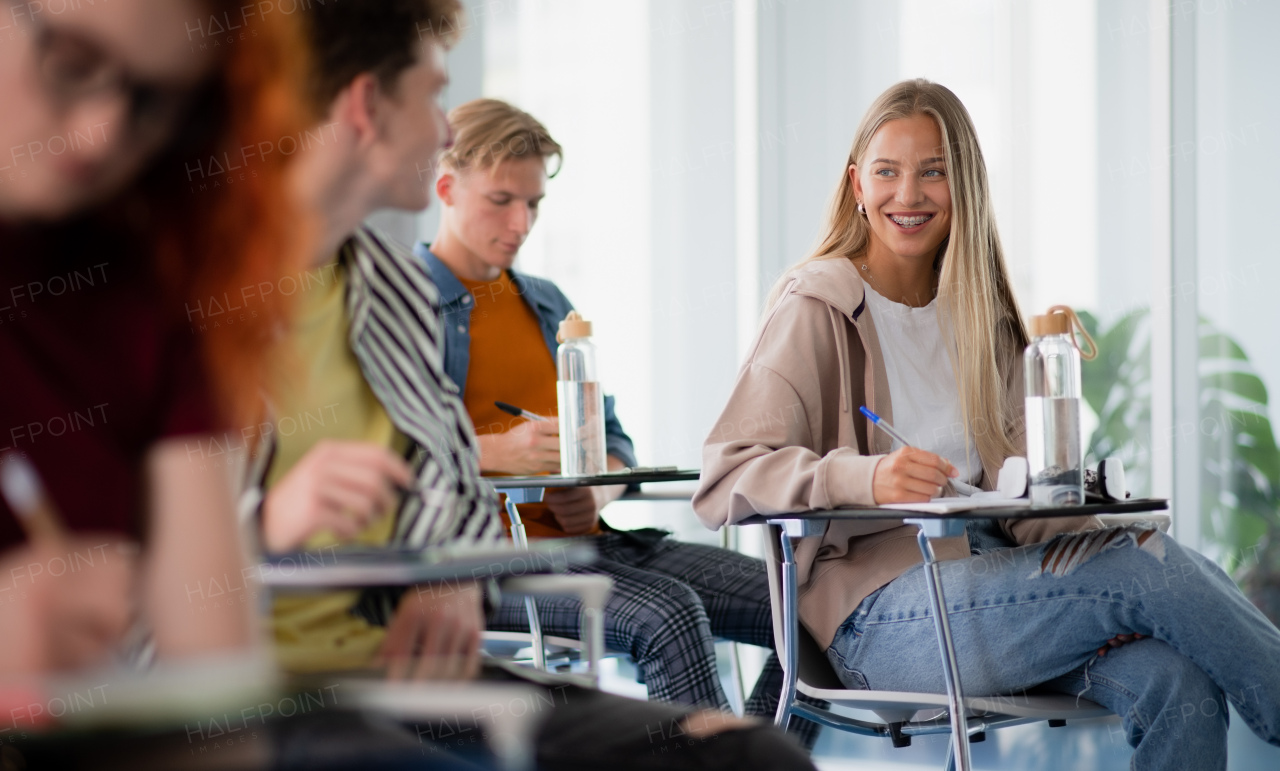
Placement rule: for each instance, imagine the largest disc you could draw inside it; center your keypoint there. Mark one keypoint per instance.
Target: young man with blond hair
(669, 598)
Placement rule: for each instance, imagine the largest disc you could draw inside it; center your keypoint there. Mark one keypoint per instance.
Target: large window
(582, 68)
(1058, 94)
(1127, 146)
(704, 139)
(1231, 157)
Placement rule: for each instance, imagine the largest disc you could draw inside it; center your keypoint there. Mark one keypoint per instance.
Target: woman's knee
(1161, 690)
(1188, 701)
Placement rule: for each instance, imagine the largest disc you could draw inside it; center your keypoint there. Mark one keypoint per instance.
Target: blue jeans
(1036, 615)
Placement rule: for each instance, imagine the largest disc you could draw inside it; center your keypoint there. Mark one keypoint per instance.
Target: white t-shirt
(922, 382)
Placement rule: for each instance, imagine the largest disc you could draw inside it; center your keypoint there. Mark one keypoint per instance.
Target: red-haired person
(110, 250)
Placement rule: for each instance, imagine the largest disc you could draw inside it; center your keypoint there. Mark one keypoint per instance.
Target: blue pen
(884, 426)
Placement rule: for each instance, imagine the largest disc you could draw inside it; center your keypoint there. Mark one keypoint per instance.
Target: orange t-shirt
(509, 362)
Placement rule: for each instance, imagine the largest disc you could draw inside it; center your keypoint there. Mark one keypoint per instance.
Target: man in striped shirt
(364, 358)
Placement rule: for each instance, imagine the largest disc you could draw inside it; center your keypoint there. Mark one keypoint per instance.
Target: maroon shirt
(94, 369)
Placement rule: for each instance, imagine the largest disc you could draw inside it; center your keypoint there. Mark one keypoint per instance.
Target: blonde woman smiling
(906, 307)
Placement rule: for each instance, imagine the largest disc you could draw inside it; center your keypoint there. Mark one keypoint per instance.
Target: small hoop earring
(861, 208)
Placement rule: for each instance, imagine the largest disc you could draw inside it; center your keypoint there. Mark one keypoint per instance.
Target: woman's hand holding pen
(910, 475)
(70, 598)
(907, 475)
(60, 618)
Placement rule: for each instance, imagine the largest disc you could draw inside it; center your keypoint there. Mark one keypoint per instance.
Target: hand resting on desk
(340, 487)
(577, 509)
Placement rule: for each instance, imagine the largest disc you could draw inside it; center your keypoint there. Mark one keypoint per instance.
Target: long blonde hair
(975, 297)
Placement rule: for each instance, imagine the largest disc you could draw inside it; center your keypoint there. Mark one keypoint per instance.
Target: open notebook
(961, 503)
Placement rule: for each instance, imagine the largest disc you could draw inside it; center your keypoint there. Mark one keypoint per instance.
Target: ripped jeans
(1030, 616)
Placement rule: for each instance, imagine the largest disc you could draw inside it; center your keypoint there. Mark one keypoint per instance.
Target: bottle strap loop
(1075, 321)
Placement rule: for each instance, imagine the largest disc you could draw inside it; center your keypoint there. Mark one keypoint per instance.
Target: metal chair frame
(591, 590)
(901, 715)
(591, 647)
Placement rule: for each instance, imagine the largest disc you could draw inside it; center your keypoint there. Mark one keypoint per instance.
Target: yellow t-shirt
(327, 398)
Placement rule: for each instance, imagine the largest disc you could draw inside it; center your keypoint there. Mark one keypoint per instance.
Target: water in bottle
(1057, 471)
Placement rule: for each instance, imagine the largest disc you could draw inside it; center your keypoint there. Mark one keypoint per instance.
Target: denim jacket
(546, 301)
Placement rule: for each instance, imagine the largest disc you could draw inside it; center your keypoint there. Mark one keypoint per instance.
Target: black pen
(519, 413)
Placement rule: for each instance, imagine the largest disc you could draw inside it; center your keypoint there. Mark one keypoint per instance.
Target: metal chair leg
(530, 605)
(950, 666)
(729, 540)
(591, 590)
(593, 631)
(790, 657)
(735, 674)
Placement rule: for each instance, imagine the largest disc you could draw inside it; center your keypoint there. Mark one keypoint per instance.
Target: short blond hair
(487, 132)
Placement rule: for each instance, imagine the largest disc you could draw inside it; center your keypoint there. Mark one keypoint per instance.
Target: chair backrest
(814, 669)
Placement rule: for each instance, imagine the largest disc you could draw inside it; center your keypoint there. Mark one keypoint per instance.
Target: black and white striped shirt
(393, 309)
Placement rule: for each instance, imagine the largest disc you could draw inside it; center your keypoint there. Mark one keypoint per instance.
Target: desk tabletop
(1130, 506)
(359, 568)
(628, 477)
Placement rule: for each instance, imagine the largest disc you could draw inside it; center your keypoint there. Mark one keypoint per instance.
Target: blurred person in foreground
(104, 251)
(368, 345)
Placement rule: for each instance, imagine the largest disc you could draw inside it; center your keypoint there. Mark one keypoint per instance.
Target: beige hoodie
(791, 439)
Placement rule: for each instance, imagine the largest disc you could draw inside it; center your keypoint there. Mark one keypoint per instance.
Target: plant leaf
(1242, 384)
(1215, 345)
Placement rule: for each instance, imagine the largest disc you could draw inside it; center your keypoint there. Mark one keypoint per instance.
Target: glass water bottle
(1054, 442)
(580, 400)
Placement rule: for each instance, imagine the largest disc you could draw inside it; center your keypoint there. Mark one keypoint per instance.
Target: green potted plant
(1240, 463)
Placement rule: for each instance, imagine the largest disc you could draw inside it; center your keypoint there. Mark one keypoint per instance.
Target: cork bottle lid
(573, 326)
(1050, 324)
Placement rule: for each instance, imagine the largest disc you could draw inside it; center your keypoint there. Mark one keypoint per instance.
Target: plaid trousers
(669, 601)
